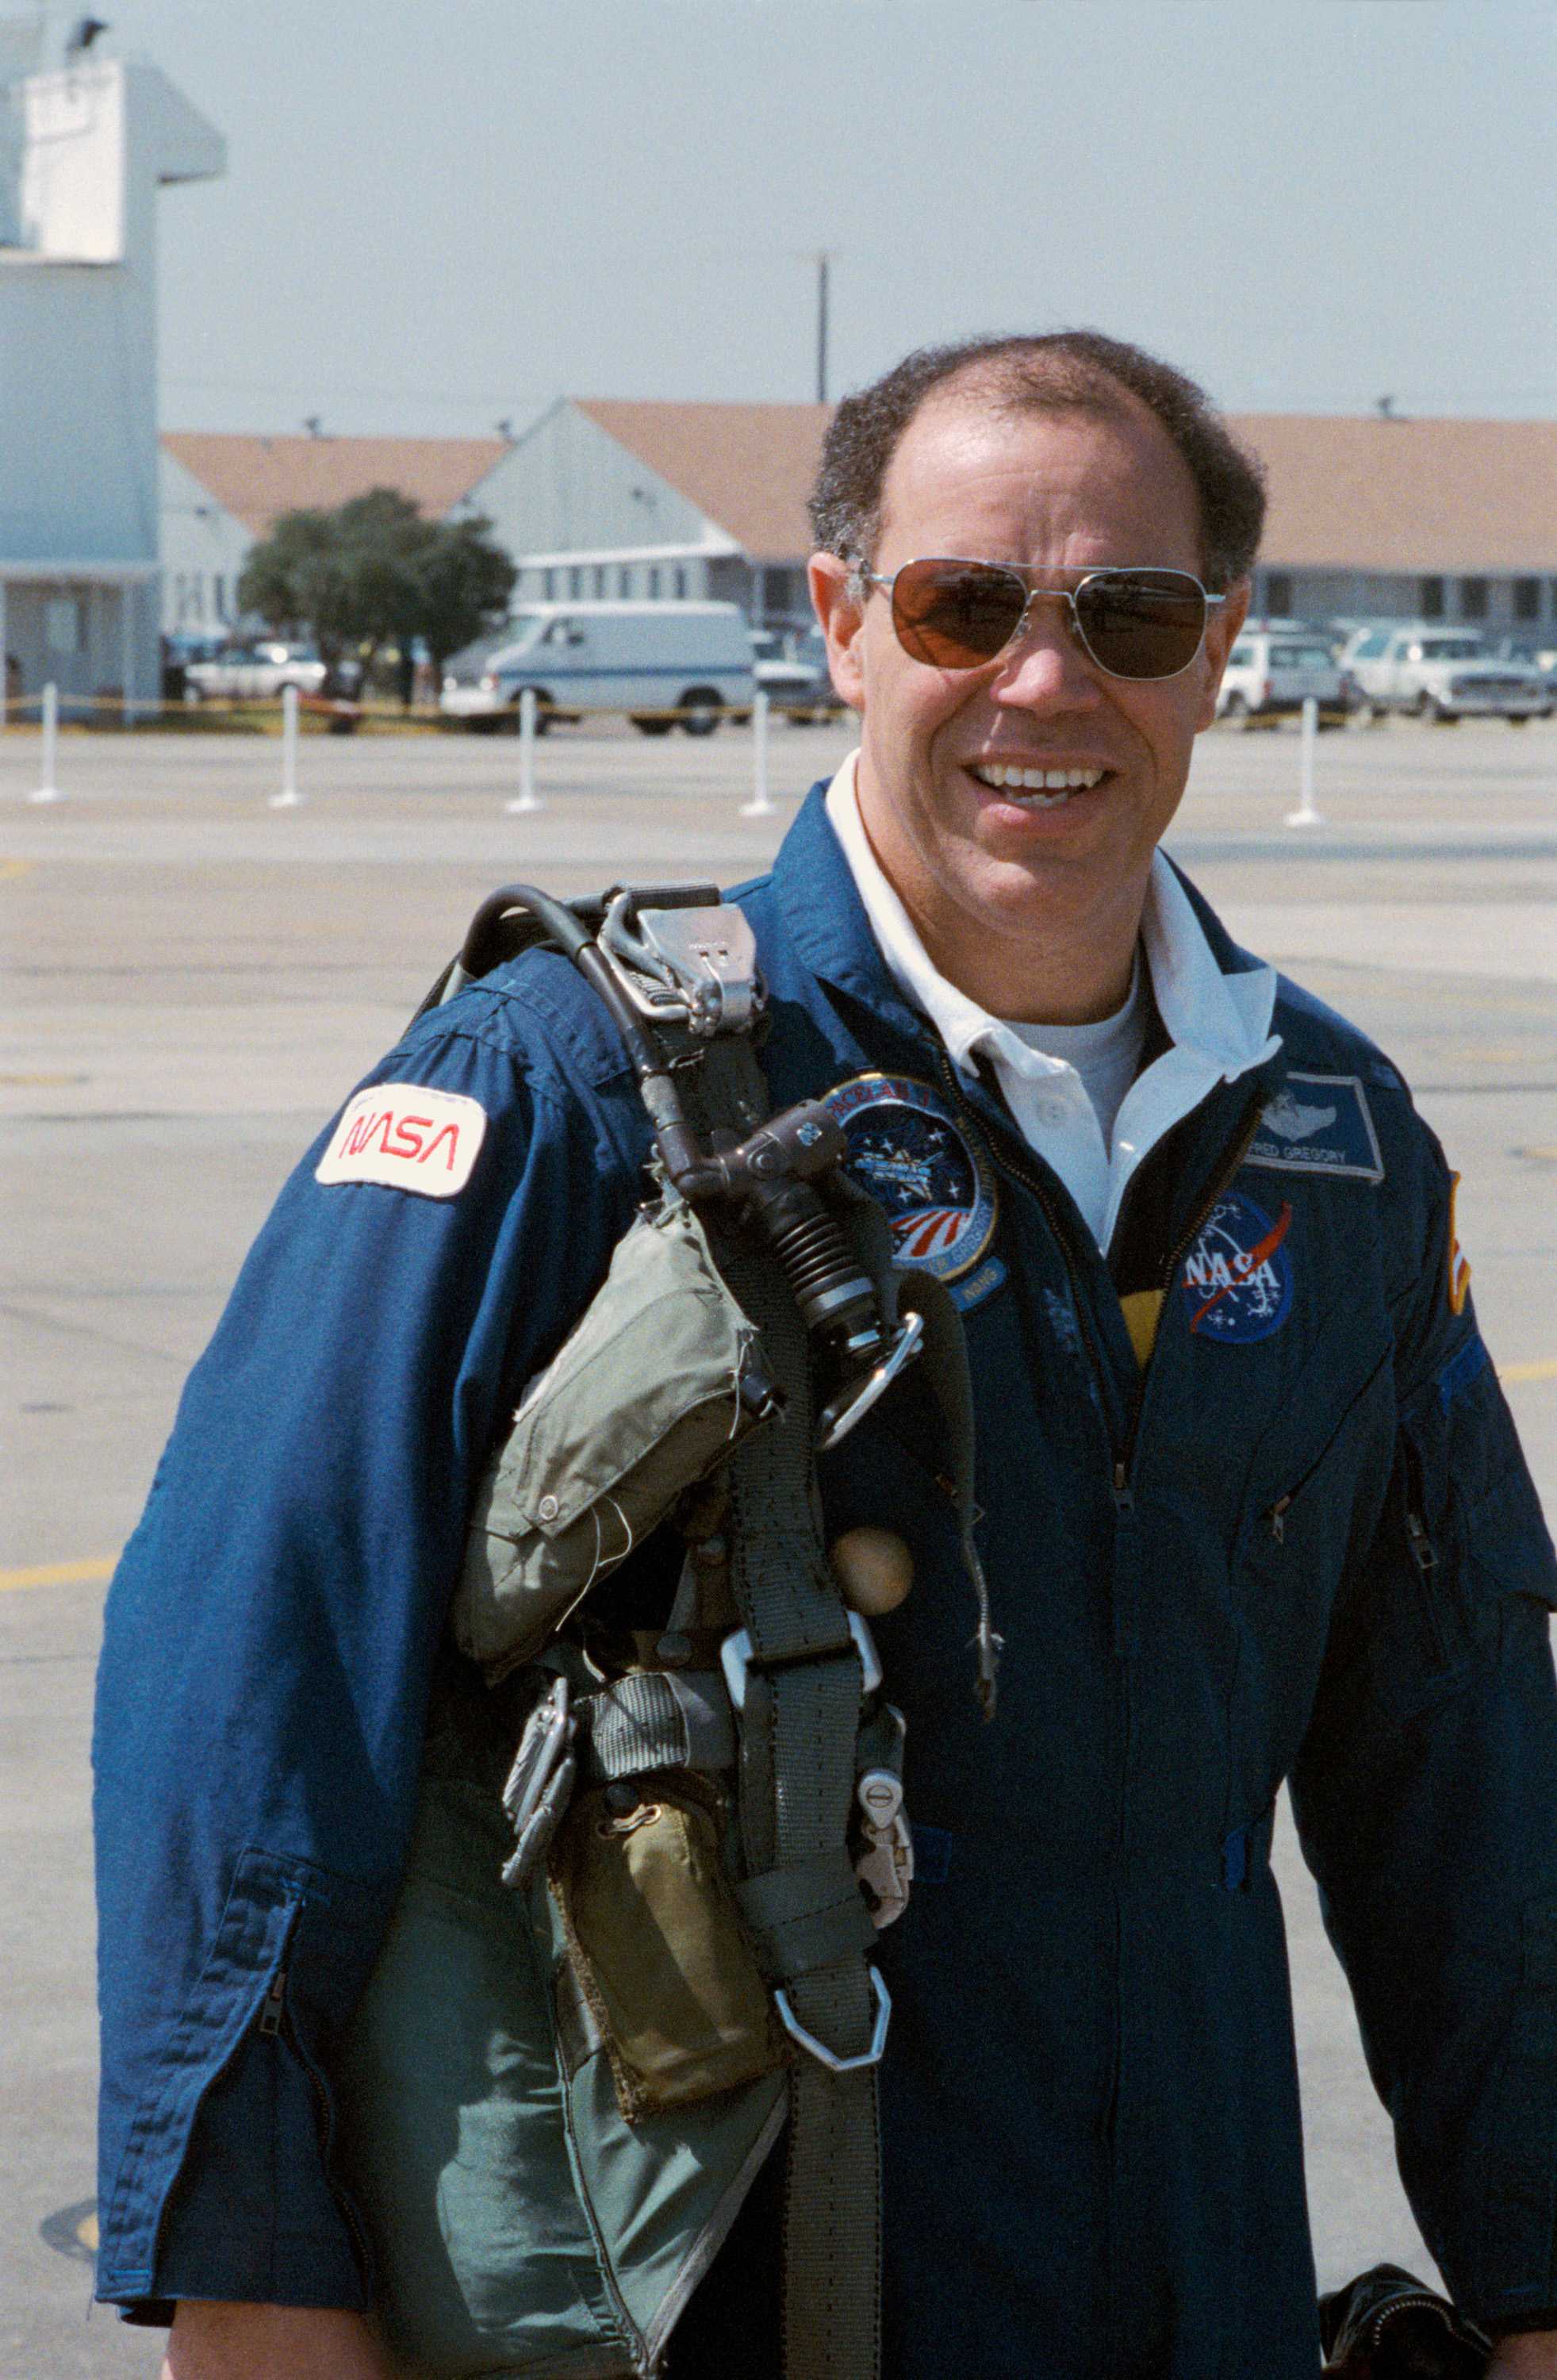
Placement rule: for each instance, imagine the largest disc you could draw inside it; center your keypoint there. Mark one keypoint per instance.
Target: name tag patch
(1237, 1282)
(407, 1139)
(1319, 1123)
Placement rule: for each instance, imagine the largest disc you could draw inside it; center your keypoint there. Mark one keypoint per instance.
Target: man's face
(976, 864)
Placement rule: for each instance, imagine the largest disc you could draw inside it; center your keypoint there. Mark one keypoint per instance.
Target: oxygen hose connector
(677, 957)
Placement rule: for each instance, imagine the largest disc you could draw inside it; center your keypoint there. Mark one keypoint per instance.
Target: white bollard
(1305, 814)
(527, 799)
(289, 797)
(48, 790)
(759, 806)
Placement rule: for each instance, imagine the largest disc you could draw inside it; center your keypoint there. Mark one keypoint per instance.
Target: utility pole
(822, 260)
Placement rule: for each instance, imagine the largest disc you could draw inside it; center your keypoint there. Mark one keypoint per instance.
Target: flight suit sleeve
(1425, 1798)
(270, 1634)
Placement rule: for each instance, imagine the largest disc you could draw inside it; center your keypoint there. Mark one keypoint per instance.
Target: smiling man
(1252, 1512)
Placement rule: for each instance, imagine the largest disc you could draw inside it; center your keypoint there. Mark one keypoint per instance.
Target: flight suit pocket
(1462, 1531)
(1295, 1552)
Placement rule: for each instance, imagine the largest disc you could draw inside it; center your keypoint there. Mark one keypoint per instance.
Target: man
(1253, 1504)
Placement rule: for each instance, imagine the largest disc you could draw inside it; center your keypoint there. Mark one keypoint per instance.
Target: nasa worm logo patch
(930, 1173)
(405, 1137)
(1236, 1284)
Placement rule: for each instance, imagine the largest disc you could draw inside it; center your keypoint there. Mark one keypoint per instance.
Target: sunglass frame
(1066, 595)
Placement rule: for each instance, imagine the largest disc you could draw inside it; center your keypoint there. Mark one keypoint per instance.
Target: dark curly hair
(1055, 371)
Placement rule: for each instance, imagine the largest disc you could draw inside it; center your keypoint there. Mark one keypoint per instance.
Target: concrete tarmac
(198, 979)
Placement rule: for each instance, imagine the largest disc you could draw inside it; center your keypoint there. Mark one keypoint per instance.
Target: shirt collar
(1220, 1015)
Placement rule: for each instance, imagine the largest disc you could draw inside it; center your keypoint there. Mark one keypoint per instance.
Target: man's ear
(1220, 634)
(841, 616)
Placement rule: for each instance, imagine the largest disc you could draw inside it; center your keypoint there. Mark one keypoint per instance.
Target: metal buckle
(854, 1402)
(540, 1783)
(735, 1659)
(693, 967)
(819, 2050)
(885, 1866)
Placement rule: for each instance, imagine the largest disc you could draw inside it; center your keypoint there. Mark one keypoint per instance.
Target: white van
(657, 662)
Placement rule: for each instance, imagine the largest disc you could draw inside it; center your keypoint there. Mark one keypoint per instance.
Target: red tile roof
(1349, 492)
(747, 466)
(1402, 495)
(256, 477)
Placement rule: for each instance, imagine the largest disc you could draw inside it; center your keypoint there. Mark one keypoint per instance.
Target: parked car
(1274, 669)
(1536, 651)
(1441, 674)
(792, 670)
(255, 672)
(659, 662)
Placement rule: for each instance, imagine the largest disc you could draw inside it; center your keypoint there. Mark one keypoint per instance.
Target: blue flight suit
(1301, 1542)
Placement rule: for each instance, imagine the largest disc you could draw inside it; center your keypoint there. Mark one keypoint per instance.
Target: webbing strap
(798, 1727)
(657, 1719)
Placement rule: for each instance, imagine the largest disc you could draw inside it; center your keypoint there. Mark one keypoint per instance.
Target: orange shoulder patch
(1459, 1264)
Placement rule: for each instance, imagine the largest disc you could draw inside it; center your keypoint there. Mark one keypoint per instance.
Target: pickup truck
(1441, 674)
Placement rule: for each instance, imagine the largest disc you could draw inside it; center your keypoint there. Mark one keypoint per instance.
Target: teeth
(1038, 781)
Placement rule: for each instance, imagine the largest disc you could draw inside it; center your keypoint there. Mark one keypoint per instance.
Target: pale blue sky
(442, 212)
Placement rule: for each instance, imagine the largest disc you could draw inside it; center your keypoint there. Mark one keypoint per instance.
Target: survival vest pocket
(656, 1385)
(657, 1949)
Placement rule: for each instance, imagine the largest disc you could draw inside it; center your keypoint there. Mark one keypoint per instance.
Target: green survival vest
(579, 2046)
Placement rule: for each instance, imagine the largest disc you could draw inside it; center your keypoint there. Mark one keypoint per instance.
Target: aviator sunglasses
(957, 616)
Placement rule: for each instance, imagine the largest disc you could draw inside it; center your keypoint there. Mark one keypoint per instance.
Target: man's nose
(1046, 668)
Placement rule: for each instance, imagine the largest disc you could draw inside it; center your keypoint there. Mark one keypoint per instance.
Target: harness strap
(798, 1727)
(656, 1719)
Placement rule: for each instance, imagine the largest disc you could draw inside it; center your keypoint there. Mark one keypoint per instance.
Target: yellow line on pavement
(67, 1574)
(1546, 1369)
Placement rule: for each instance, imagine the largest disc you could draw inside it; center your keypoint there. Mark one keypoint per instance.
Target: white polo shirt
(1218, 1027)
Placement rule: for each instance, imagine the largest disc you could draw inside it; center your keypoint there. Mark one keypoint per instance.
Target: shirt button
(547, 1508)
(1052, 1111)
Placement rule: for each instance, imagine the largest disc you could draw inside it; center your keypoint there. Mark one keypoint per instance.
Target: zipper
(1238, 1148)
(273, 2006)
(269, 2024)
(1423, 1552)
(1236, 1151)
(1031, 1180)
(276, 2020)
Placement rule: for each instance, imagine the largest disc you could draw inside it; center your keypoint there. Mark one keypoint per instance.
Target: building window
(1527, 599)
(219, 601)
(623, 580)
(548, 586)
(1473, 599)
(575, 581)
(62, 625)
(600, 578)
(653, 582)
(681, 584)
(1433, 599)
(1279, 592)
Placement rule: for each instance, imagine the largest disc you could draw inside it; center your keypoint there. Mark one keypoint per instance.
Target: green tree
(374, 572)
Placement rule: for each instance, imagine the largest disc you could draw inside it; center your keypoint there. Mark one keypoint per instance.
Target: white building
(86, 149)
(1450, 520)
(601, 498)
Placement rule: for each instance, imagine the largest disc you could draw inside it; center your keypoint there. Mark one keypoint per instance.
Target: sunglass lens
(955, 615)
(1141, 622)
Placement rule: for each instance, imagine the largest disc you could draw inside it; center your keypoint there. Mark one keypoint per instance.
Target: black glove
(1387, 2325)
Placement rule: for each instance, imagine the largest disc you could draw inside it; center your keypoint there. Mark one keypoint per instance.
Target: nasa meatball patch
(1237, 1282)
(406, 1138)
(931, 1173)
(1319, 1123)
